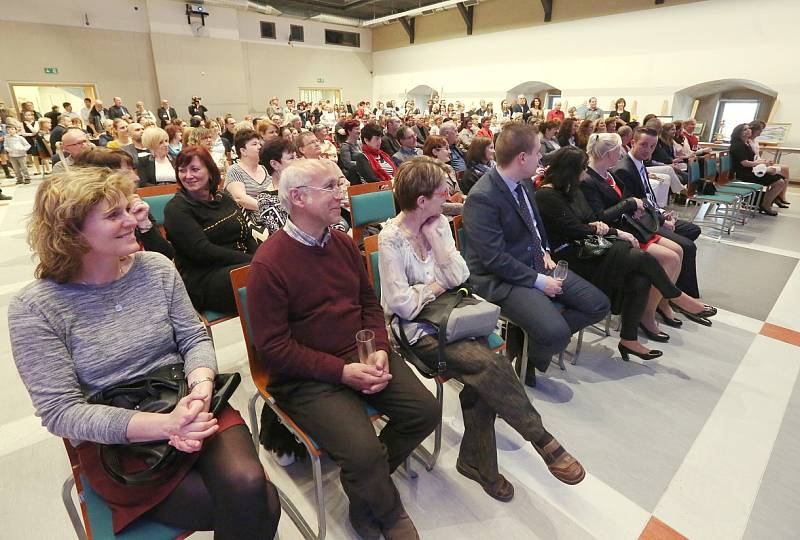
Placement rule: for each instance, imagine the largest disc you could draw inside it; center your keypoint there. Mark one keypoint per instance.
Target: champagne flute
(365, 340)
(560, 271)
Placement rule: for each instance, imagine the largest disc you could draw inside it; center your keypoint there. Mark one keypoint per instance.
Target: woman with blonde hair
(121, 135)
(71, 338)
(158, 167)
(266, 129)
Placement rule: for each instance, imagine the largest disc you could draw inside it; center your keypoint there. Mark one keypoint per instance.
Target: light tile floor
(700, 443)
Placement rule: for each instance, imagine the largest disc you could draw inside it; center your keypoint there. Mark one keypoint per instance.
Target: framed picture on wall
(774, 133)
(698, 129)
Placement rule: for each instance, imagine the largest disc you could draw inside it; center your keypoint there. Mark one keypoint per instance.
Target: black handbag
(473, 318)
(157, 392)
(594, 245)
(644, 226)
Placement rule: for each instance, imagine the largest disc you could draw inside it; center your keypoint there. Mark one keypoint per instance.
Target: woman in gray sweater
(102, 312)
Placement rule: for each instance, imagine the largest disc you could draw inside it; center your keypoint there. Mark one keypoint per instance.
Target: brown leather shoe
(501, 489)
(561, 463)
(403, 529)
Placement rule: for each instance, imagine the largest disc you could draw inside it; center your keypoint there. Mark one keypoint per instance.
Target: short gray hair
(298, 173)
(600, 144)
(448, 126)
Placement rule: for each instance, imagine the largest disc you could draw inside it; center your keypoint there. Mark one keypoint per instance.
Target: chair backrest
(369, 187)
(239, 284)
(710, 164)
(694, 171)
(459, 236)
(164, 189)
(370, 208)
(373, 271)
(724, 167)
(157, 205)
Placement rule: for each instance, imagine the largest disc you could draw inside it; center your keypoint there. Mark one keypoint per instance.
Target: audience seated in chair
(744, 159)
(449, 131)
(158, 167)
(418, 262)
(209, 233)
(247, 178)
(630, 172)
(509, 256)
(480, 159)
(408, 145)
(436, 147)
(373, 164)
(625, 273)
(69, 342)
(304, 326)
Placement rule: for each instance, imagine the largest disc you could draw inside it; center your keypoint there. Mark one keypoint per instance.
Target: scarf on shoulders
(372, 155)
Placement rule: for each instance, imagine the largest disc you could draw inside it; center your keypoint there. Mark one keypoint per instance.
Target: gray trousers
(20, 165)
(491, 388)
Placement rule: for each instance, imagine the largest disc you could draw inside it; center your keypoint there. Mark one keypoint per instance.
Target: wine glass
(560, 271)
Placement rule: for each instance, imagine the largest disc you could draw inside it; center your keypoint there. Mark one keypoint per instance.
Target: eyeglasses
(334, 190)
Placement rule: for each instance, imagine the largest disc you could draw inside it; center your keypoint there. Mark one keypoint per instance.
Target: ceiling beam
(408, 25)
(467, 13)
(547, 5)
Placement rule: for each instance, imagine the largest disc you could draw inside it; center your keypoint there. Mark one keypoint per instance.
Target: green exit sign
(320, 80)
(51, 71)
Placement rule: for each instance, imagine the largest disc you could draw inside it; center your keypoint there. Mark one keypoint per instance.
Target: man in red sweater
(308, 294)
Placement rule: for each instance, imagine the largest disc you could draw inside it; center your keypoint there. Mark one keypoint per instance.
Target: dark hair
(242, 137)
(585, 129)
(274, 150)
(550, 124)
(533, 103)
(565, 131)
(369, 131)
(172, 130)
(349, 125)
(418, 176)
(477, 150)
(103, 157)
(616, 103)
(513, 140)
(647, 118)
(401, 132)
(187, 155)
(642, 130)
(565, 168)
(736, 134)
(433, 142)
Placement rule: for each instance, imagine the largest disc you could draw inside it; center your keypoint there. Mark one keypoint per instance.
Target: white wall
(612, 56)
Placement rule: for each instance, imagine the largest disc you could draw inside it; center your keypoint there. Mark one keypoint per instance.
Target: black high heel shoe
(649, 355)
(674, 323)
(780, 204)
(767, 211)
(699, 317)
(655, 336)
(783, 201)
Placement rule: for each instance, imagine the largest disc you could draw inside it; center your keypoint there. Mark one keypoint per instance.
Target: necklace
(121, 263)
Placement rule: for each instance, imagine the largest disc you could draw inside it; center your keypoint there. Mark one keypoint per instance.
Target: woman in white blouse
(418, 261)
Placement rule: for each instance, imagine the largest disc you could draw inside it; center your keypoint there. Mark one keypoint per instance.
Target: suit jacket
(499, 243)
(118, 112)
(524, 109)
(602, 198)
(628, 175)
(146, 170)
(165, 118)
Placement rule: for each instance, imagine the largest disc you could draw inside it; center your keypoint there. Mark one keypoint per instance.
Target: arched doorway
(718, 106)
(546, 92)
(421, 94)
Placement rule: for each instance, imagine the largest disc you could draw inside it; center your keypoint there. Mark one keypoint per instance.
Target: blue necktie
(538, 256)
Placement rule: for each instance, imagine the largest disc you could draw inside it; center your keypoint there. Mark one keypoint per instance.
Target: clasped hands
(368, 378)
(190, 423)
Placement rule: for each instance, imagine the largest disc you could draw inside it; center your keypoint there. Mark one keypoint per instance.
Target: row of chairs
(731, 203)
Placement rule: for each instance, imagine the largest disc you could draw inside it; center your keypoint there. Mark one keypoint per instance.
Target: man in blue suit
(509, 257)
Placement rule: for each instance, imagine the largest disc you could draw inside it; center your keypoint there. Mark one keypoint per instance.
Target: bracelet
(200, 381)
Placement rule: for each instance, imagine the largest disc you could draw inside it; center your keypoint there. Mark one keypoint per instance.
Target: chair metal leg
(428, 459)
(578, 346)
(316, 467)
(72, 510)
(409, 468)
(608, 325)
(523, 358)
(560, 361)
(251, 407)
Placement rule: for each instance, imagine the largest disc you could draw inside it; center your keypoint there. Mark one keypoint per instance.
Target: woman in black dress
(208, 231)
(624, 272)
(744, 162)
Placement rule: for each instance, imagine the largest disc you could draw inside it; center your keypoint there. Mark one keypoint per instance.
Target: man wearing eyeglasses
(73, 142)
(308, 296)
(408, 145)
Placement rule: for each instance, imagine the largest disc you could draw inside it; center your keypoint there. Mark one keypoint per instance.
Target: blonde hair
(198, 134)
(152, 137)
(61, 205)
(600, 144)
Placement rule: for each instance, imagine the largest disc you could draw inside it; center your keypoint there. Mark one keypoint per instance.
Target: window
(550, 100)
(267, 30)
(337, 37)
(312, 95)
(295, 32)
(731, 113)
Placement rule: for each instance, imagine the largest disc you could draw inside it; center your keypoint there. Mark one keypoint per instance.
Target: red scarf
(372, 156)
(610, 181)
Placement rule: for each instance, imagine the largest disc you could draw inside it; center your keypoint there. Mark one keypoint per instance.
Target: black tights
(644, 271)
(226, 491)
